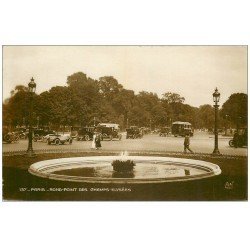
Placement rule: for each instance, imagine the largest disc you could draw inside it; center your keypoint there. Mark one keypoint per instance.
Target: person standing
(186, 144)
(98, 141)
(93, 145)
(236, 139)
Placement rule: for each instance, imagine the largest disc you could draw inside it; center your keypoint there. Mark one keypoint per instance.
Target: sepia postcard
(124, 123)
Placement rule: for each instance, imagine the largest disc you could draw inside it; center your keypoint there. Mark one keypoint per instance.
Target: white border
(125, 225)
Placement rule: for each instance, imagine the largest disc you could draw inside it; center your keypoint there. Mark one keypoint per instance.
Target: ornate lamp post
(216, 98)
(32, 89)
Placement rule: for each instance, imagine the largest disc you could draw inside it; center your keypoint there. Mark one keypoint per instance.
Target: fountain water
(123, 164)
(124, 169)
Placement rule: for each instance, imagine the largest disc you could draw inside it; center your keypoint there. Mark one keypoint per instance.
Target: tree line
(85, 101)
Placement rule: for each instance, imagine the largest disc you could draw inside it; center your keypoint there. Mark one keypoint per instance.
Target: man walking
(186, 144)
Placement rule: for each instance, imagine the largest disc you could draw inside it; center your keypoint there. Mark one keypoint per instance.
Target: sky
(191, 71)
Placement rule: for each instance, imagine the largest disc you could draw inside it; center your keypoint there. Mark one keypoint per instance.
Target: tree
(172, 98)
(148, 103)
(173, 106)
(84, 100)
(76, 79)
(122, 102)
(138, 116)
(235, 108)
(16, 108)
(109, 86)
(159, 116)
(205, 117)
(19, 88)
(147, 100)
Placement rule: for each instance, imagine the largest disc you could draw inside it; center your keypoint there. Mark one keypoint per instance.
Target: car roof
(185, 123)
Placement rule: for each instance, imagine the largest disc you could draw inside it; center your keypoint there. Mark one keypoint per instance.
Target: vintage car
(134, 132)
(10, 136)
(165, 131)
(85, 134)
(59, 139)
(239, 139)
(74, 131)
(145, 130)
(22, 132)
(46, 137)
(109, 131)
(38, 134)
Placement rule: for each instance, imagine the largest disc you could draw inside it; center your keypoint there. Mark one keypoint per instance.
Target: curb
(151, 152)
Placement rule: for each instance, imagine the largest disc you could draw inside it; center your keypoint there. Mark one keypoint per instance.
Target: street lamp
(32, 89)
(216, 98)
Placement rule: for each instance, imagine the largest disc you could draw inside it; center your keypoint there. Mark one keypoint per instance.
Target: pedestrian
(236, 139)
(186, 144)
(98, 141)
(93, 145)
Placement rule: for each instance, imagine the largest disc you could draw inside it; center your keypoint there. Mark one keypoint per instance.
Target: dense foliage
(85, 101)
(235, 109)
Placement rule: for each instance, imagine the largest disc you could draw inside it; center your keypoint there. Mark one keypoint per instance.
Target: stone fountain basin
(148, 169)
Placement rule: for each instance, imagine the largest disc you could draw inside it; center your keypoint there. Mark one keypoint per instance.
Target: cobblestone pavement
(200, 143)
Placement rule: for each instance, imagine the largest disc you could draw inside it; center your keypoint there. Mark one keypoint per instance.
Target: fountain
(124, 169)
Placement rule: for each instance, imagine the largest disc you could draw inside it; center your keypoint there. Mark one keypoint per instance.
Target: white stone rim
(46, 168)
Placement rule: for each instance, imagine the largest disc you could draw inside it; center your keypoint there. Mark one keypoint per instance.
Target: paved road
(200, 143)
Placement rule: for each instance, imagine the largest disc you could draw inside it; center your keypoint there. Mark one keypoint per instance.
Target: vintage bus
(182, 128)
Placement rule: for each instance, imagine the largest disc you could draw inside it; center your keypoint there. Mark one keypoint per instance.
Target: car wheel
(17, 138)
(231, 143)
(87, 138)
(22, 136)
(57, 141)
(7, 138)
(36, 137)
(70, 141)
